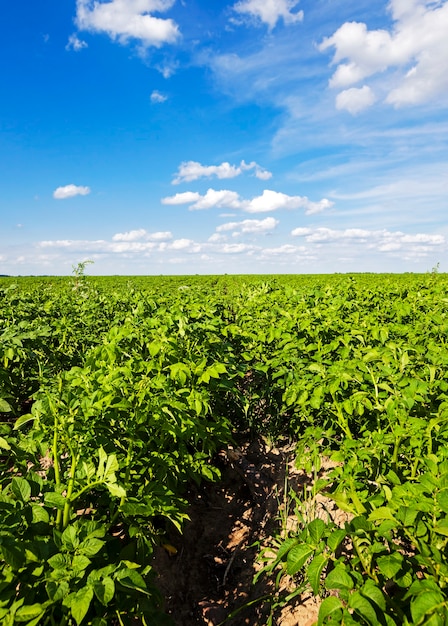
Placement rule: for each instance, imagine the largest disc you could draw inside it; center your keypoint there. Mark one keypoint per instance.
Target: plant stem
(415, 466)
(71, 481)
(119, 618)
(128, 469)
(126, 479)
(79, 493)
(395, 452)
(57, 471)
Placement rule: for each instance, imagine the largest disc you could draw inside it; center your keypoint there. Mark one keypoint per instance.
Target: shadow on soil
(211, 576)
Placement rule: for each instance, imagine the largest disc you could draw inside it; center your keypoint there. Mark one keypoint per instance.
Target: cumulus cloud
(76, 44)
(69, 191)
(182, 198)
(157, 97)
(381, 240)
(193, 170)
(355, 99)
(270, 11)
(268, 201)
(249, 226)
(181, 244)
(416, 47)
(211, 199)
(123, 20)
(275, 200)
(300, 232)
(217, 199)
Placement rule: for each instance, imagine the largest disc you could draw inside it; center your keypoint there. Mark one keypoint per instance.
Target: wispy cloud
(69, 191)
(193, 170)
(270, 11)
(76, 44)
(249, 226)
(124, 20)
(157, 97)
(142, 234)
(118, 246)
(268, 201)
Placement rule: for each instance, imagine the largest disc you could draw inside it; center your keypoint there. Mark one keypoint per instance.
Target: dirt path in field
(211, 576)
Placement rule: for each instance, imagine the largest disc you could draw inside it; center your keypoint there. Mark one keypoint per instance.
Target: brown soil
(210, 578)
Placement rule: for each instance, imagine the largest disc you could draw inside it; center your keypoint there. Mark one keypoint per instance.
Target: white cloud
(186, 245)
(249, 226)
(432, 240)
(262, 174)
(270, 11)
(182, 244)
(128, 19)
(168, 69)
(287, 254)
(235, 248)
(142, 234)
(69, 191)
(419, 244)
(212, 198)
(275, 200)
(368, 52)
(301, 232)
(416, 47)
(71, 243)
(102, 246)
(268, 201)
(182, 198)
(163, 235)
(131, 235)
(218, 199)
(193, 170)
(355, 99)
(286, 248)
(321, 249)
(157, 97)
(216, 238)
(76, 44)
(327, 234)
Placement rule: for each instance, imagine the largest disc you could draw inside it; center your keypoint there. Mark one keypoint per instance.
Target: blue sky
(250, 136)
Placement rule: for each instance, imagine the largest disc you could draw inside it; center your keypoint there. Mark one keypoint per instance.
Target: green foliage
(115, 394)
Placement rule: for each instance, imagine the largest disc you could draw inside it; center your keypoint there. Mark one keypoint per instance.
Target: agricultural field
(132, 408)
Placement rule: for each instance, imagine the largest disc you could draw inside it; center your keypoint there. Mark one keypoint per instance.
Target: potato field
(120, 397)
